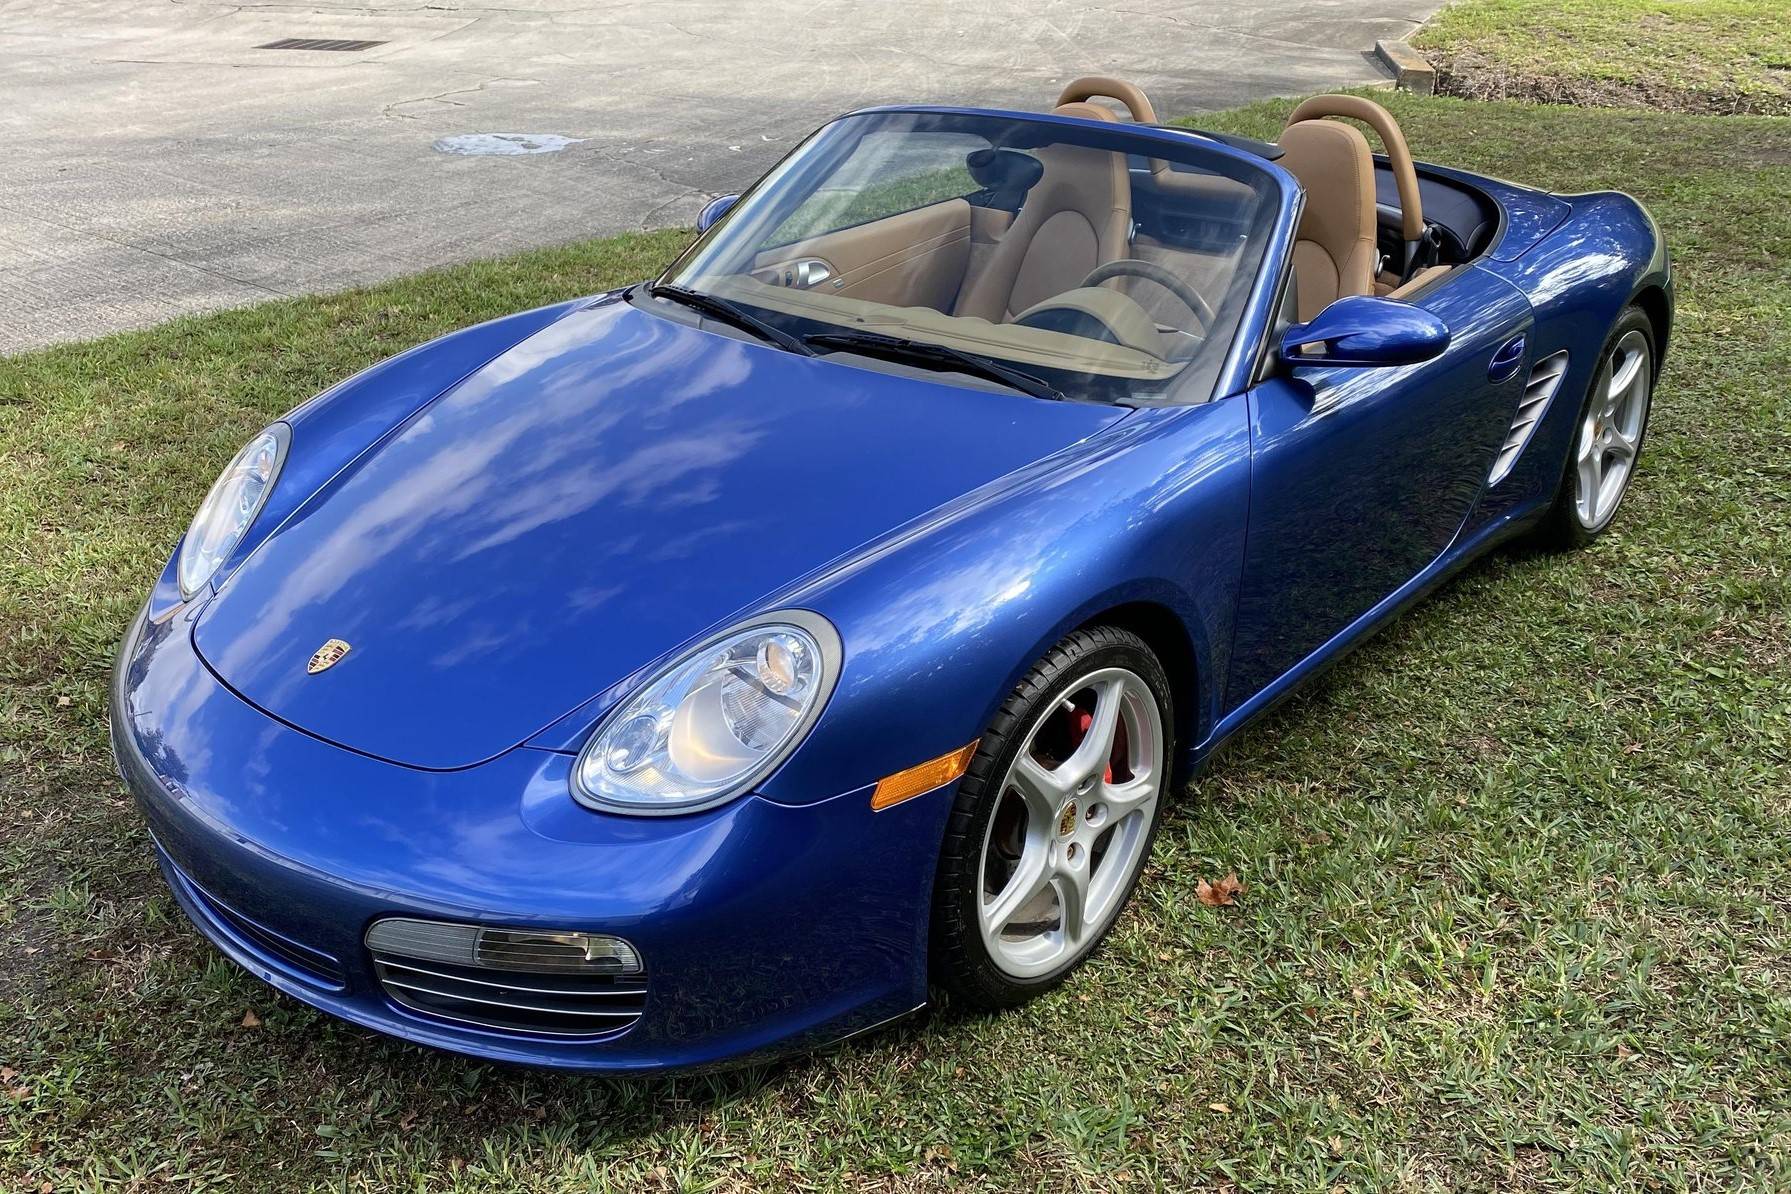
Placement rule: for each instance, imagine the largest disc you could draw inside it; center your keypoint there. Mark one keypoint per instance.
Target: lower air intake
(313, 964)
(542, 982)
(1545, 379)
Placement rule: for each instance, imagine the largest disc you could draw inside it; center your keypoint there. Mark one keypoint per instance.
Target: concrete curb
(1411, 71)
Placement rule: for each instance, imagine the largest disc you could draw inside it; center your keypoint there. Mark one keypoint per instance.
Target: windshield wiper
(939, 356)
(722, 309)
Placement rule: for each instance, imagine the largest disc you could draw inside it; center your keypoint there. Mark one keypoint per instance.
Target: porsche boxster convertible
(733, 662)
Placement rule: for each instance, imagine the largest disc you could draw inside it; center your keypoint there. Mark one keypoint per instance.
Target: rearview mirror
(714, 210)
(1360, 330)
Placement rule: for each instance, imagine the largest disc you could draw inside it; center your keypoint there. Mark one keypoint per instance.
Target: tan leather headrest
(1334, 165)
(1129, 94)
(1085, 111)
(1354, 107)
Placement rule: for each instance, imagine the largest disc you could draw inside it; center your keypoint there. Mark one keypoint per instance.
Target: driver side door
(1361, 476)
(894, 225)
(913, 258)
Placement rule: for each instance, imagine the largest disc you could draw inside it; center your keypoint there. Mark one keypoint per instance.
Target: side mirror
(714, 210)
(1359, 330)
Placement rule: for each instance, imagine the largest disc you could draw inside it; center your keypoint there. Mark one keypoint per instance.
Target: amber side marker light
(921, 778)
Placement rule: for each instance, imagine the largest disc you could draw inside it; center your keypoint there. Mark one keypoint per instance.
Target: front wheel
(1607, 439)
(1054, 820)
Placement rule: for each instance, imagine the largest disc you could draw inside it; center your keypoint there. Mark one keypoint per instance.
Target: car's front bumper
(764, 927)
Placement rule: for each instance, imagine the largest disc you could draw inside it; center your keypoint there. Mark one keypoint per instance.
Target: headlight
(234, 501)
(715, 722)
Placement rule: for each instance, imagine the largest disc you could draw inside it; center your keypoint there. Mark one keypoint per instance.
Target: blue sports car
(733, 662)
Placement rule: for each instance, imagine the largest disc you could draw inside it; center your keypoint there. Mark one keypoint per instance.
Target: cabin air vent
(1545, 379)
(338, 44)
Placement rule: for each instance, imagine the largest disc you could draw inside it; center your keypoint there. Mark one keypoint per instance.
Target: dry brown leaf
(1222, 894)
(251, 1020)
(1221, 1108)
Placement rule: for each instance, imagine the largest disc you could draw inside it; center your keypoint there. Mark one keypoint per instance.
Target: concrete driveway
(154, 161)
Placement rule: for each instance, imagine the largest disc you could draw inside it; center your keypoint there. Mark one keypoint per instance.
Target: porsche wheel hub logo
(1066, 820)
(326, 656)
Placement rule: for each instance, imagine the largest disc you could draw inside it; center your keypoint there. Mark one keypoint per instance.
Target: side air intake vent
(1545, 379)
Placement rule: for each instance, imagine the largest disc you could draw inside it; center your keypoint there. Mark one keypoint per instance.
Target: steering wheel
(1132, 267)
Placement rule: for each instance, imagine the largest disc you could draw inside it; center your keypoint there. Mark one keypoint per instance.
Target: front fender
(940, 624)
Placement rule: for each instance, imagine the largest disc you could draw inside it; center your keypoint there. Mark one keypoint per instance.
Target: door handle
(808, 272)
(1506, 361)
(812, 272)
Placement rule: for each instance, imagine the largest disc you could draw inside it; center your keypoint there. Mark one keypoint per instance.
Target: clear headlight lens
(234, 501)
(714, 723)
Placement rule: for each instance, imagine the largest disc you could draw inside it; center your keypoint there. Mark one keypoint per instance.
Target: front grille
(1545, 379)
(507, 979)
(309, 963)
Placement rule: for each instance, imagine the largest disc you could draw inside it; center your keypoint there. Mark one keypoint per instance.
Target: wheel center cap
(1066, 820)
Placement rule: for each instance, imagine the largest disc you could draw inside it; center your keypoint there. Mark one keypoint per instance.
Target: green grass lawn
(1517, 912)
(1721, 56)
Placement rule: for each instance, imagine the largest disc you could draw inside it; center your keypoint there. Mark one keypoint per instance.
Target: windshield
(1044, 248)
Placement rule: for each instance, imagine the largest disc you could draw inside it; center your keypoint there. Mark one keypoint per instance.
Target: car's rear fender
(1578, 279)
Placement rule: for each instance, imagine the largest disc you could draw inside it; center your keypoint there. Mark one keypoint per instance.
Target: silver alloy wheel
(1071, 823)
(1611, 432)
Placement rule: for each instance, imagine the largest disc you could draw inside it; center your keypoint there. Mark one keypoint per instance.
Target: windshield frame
(1279, 194)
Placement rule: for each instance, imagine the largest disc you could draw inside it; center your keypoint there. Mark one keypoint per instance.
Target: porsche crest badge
(1066, 820)
(326, 656)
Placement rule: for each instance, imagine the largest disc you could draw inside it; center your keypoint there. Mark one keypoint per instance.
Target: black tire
(960, 964)
(1561, 528)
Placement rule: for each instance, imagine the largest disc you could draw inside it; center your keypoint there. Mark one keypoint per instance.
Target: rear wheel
(1607, 438)
(1054, 821)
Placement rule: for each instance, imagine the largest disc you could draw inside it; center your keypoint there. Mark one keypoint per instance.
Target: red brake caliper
(1084, 719)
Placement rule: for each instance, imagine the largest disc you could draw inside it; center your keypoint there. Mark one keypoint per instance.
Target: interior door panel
(1362, 477)
(913, 259)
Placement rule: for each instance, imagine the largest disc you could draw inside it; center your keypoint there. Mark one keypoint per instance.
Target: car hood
(606, 489)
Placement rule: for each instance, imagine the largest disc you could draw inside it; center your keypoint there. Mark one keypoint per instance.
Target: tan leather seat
(1077, 216)
(1334, 249)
